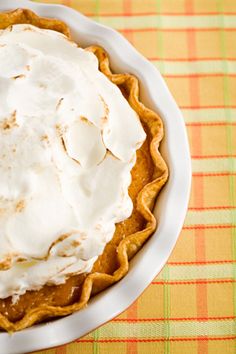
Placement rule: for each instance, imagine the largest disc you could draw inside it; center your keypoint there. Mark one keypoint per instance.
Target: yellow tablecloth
(190, 308)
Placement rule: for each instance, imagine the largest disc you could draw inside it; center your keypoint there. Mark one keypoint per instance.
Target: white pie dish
(172, 203)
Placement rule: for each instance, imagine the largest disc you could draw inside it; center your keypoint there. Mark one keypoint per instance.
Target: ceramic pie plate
(172, 202)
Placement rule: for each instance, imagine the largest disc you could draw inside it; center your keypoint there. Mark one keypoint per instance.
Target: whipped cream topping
(68, 141)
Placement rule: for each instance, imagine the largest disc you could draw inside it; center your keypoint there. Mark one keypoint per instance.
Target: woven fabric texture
(190, 308)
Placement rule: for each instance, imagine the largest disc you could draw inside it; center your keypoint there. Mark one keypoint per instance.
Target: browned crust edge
(26, 16)
(129, 246)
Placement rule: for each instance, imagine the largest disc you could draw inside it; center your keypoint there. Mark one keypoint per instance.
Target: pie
(79, 175)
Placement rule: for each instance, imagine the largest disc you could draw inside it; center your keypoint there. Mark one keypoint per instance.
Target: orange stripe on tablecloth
(197, 75)
(221, 207)
(213, 174)
(201, 288)
(61, 350)
(127, 5)
(224, 318)
(198, 157)
(188, 59)
(198, 188)
(196, 281)
(66, 2)
(202, 262)
(208, 124)
(200, 227)
(127, 11)
(116, 14)
(132, 311)
(132, 314)
(206, 107)
(186, 30)
(172, 339)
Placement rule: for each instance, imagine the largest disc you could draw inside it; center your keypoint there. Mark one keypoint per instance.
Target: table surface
(191, 305)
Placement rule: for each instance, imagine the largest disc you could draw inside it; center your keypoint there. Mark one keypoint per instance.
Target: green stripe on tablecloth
(227, 100)
(218, 165)
(156, 329)
(176, 22)
(195, 67)
(208, 115)
(196, 272)
(210, 217)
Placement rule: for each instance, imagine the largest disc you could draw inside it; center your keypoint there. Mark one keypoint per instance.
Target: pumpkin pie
(79, 175)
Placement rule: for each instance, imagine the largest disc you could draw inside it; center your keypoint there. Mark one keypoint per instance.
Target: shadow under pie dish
(80, 142)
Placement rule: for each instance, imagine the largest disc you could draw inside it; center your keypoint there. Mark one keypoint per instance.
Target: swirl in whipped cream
(68, 143)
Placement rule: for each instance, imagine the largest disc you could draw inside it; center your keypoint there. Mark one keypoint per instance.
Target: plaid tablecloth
(190, 308)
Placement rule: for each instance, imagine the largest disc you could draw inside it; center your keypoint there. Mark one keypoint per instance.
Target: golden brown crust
(130, 245)
(26, 16)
